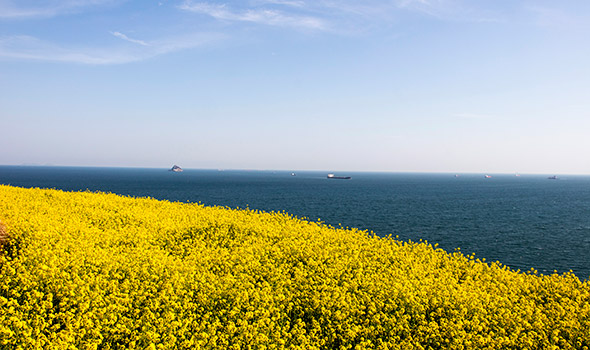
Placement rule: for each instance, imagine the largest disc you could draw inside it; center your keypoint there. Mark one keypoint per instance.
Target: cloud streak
(25, 47)
(450, 10)
(25, 10)
(264, 16)
(126, 38)
(344, 17)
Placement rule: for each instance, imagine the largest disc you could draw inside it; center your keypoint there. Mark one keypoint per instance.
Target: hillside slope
(101, 271)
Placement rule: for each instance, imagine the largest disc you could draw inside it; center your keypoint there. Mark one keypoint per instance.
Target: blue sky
(399, 85)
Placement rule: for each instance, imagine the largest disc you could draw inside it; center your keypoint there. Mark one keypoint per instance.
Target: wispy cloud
(126, 38)
(255, 15)
(292, 3)
(31, 48)
(25, 47)
(430, 7)
(344, 17)
(453, 10)
(31, 9)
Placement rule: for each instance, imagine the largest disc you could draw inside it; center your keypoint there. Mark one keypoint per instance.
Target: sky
(490, 86)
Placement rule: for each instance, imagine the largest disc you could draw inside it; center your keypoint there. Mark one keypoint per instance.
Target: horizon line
(300, 170)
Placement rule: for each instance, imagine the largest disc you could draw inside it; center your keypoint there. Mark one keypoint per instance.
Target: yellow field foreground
(100, 271)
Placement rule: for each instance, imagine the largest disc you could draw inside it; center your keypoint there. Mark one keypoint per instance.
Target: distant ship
(176, 169)
(487, 176)
(332, 176)
(293, 174)
(554, 177)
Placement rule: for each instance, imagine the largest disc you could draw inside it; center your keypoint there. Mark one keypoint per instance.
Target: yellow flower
(95, 270)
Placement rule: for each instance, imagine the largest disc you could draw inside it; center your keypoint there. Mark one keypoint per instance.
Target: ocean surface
(524, 222)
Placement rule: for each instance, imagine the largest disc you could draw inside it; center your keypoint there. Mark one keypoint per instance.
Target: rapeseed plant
(88, 270)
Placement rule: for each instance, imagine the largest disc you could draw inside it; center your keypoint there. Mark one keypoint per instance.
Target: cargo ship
(332, 176)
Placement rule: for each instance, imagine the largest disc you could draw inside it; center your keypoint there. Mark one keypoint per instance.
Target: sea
(525, 222)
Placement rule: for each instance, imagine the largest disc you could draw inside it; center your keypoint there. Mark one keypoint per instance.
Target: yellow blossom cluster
(99, 271)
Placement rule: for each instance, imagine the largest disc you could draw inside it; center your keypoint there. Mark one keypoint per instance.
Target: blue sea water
(524, 222)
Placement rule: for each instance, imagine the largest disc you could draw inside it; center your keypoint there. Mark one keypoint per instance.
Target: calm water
(524, 222)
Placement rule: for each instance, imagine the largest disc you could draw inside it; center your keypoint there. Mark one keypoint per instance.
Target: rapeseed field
(99, 271)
